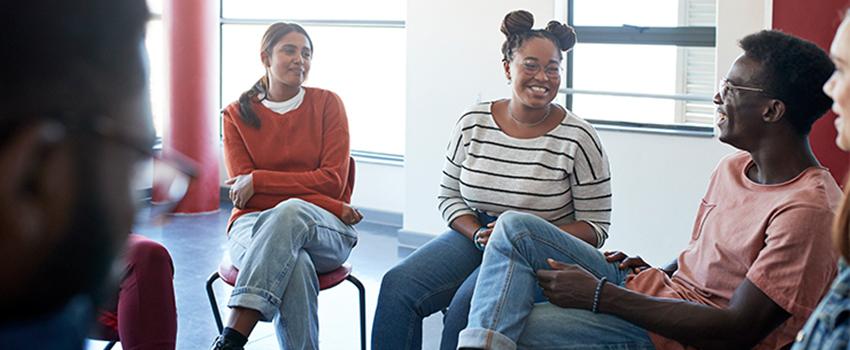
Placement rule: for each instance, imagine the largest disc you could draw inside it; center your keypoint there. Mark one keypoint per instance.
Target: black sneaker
(224, 344)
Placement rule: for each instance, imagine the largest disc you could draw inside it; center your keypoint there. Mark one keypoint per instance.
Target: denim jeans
(279, 252)
(504, 314)
(438, 275)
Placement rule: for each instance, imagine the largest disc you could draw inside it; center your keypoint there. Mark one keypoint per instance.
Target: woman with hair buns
(286, 151)
(525, 154)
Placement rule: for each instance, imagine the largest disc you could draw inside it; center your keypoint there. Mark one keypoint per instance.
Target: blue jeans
(504, 314)
(438, 275)
(279, 252)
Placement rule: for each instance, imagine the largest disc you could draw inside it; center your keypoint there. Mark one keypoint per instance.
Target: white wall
(379, 186)
(453, 60)
(657, 182)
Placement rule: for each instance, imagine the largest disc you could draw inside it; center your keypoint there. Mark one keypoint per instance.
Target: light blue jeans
(279, 252)
(503, 313)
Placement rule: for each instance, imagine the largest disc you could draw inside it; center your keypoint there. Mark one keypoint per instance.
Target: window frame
(155, 16)
(681, 37)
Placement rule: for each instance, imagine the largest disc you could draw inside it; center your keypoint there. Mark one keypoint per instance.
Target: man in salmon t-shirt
(760, 255)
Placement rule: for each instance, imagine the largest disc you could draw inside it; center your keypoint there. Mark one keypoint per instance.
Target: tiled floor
(196, 244)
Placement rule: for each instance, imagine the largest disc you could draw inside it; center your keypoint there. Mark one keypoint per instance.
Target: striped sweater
(562, 176)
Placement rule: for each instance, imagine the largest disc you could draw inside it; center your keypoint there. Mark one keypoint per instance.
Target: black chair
(228, 273)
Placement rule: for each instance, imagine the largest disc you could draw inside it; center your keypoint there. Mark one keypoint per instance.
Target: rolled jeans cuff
(484, 339)
(255, 299)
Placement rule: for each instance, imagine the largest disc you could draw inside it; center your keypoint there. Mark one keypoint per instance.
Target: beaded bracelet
(475, 238)
(597, 294)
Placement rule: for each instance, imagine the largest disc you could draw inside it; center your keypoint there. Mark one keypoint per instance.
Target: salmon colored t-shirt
(777, 236)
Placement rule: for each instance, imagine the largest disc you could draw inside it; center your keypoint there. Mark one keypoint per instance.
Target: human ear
(264, 57)
(33, 181)
(774, 111)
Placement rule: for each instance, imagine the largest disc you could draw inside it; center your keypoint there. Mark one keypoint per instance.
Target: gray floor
(196, 244)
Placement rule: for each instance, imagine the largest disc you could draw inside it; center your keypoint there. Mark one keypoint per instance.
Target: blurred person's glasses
(726, 87)
(168, 175)
(553, 71)
(170, 178)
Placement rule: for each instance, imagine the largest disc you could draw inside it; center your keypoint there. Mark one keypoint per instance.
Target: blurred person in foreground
(75, 123)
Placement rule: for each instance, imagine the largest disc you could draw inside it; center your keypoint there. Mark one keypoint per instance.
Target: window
(155, 45)
(359, 54)
(642, 63)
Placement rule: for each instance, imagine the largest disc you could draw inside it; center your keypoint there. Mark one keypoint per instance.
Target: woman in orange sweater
(286, 151)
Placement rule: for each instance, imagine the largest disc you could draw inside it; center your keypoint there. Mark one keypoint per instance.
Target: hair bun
(517, 22)
(566, 35)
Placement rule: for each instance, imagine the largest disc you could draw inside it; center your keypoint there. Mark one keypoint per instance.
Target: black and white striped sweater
(562, 176)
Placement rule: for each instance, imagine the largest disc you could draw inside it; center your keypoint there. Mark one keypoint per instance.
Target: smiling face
(288, 63)
(740, 106)
(535, 73)
(838, 85)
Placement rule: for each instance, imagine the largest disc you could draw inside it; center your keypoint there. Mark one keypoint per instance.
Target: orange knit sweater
(300, 154)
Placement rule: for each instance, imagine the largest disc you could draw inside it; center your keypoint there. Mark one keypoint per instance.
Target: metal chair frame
(217, 314)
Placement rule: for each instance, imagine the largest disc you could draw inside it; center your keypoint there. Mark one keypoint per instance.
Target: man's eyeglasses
(726, 87)
(553, 71)
(172, 174)
(168, 174)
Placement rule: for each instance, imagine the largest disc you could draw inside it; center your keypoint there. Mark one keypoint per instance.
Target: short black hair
(793, 71)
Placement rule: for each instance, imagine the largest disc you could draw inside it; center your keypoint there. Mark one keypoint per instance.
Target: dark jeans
(439, 275)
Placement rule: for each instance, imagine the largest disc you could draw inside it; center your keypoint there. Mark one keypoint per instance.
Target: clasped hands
(242, 189)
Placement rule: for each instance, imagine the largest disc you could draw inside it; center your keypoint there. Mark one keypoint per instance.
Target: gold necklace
(529, 125)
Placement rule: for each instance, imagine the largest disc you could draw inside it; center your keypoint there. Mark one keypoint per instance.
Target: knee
(291, 210)
(513, 219)
(145, 252)
(509, 224)
(394, 281)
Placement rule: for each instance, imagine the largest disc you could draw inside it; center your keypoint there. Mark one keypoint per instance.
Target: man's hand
(567, 286)
(635, 263)
(350, 216)
(241, 189)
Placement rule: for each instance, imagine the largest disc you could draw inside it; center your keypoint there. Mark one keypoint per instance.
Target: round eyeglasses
(552, 71)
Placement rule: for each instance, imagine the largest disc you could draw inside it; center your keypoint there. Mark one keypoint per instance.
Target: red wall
(816, 21)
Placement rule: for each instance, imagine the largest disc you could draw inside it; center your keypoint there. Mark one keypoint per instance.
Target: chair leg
(213, 303)
(110, 345)
(362, 292)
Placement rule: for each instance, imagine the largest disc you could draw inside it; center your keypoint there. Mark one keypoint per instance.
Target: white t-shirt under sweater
(562, 176)
(285, 106)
